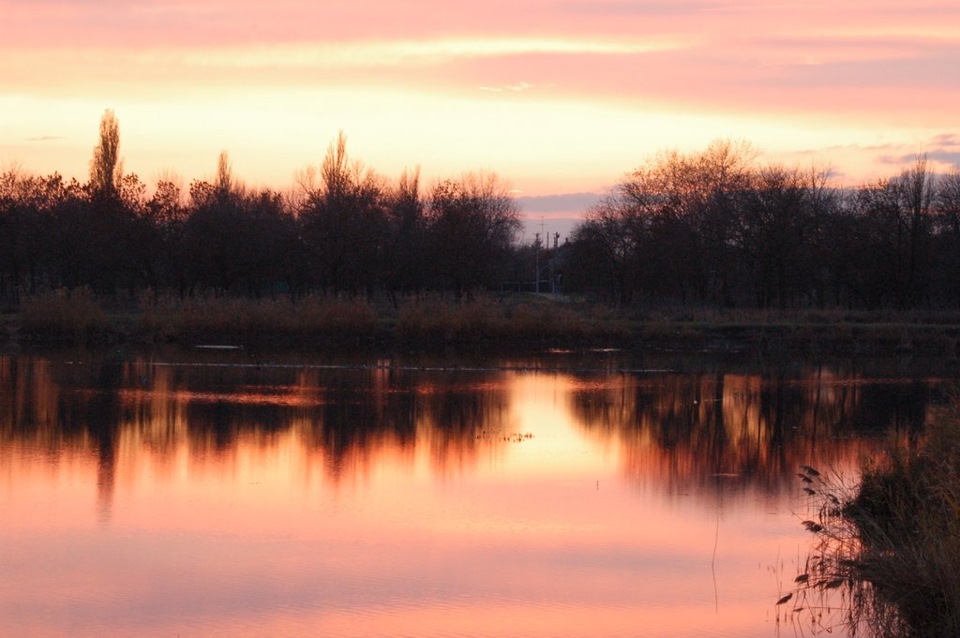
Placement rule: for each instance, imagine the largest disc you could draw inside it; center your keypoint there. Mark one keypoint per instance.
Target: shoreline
(519, 323)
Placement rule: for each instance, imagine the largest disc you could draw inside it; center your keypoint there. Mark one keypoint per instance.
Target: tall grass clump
(523, 320)
(70, 315)
(433, 320)
(892, 545)
(336, 317)
(546, 322)
(556, 322)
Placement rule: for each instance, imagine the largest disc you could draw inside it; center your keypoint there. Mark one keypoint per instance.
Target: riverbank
(516, 321)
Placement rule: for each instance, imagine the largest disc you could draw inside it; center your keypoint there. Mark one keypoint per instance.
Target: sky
(560, 98)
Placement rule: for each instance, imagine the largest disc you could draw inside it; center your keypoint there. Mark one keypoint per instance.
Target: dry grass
(535, 321)
(526, 319)
(72, 315)
(907, 513)
(893, 544)
(425, 321)
(520, 320)
(316, 318)
(430, 320)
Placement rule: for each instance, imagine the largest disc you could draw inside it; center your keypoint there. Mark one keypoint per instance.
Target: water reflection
(347, 416)
(680, 430)
(690, 430)
(387, 498)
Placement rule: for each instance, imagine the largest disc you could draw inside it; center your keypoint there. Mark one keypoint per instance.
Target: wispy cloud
(950, 159)
(650, 8)
(512, 88)
(946, 139)
(943, 150)
(409, 52)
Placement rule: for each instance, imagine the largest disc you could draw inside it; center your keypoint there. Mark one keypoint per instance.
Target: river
(210, 492)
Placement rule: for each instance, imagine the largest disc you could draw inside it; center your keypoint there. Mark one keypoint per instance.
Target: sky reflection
(162, 499)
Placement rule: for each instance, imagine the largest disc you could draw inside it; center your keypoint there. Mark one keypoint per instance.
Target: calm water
(210, 493)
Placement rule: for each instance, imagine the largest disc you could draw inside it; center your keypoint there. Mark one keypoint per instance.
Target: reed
(546, 322)
(522, 320)
(893, 543)
(438, 321)
(64, 315)
(314, 317)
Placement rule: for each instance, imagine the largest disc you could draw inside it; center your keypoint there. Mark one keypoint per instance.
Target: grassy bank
(425, 322)
(893, 543)
(316, 321)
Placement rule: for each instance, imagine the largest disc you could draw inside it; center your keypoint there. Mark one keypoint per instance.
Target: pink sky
(558, 97)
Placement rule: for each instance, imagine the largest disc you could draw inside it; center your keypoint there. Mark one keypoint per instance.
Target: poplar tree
(105, 168)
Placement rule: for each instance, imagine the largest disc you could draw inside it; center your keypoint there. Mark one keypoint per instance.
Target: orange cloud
(557, 95)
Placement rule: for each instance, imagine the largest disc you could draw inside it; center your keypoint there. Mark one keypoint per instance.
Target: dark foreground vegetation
(892, 545)
(504, 323)
(313, 321)
(345, 249)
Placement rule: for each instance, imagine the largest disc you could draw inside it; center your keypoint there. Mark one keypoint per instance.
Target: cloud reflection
(383, 499)
(676, 430)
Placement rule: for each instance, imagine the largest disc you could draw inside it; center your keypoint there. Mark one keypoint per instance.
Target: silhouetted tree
(945, 249)
(890, 259)
(669, 229)
(165, 215)
(724, 172)
(231, 240)
(212, 240)
(404, 258)
(608, 244)
(343, 222)
(24, 232)
(105, 168)
(917, 192)
(774, 236)
(710, 227)
(471, 225)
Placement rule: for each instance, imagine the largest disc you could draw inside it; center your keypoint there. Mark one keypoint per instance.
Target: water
(571, 494)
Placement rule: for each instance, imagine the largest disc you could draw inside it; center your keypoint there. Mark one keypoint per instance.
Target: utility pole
(536, 249)
(546, 238)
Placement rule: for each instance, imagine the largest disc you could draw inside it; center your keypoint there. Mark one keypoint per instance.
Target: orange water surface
(149, 497)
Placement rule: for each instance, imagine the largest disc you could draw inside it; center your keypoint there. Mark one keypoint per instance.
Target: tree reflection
(344, 417)
(690, 430)
(681, 431)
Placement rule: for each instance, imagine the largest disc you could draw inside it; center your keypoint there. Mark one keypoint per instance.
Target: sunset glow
(196, 493)
(558, 97)
(256, 510)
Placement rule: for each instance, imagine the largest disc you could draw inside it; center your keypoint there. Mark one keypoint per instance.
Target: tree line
(708, 228)
(343, 229)
(716, 228)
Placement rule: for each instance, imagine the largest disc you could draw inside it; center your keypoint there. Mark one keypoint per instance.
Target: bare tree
(403, 254)
(670, 227)
(344, 221)
(948, 234)
(472, 223)
(948, 200)
(918, 186)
